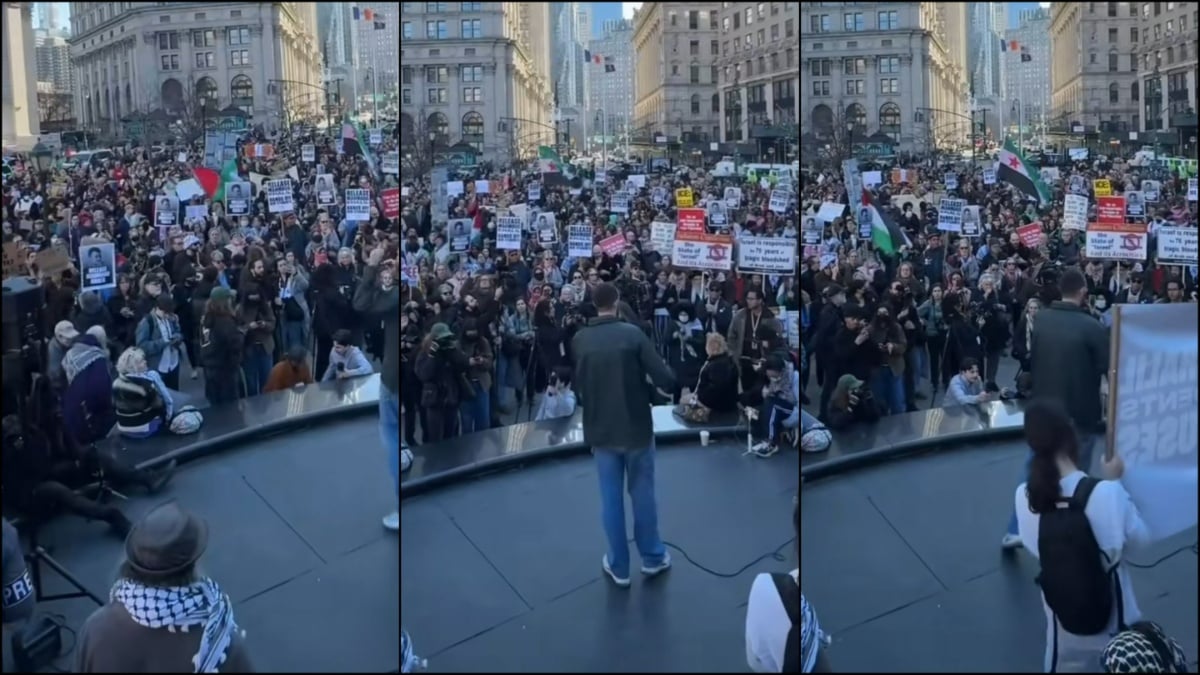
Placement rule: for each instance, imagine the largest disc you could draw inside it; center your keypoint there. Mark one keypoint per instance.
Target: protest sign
(391, 163)
(1077, 185)
(612, 246)
(1135, 206)
(866, 222)
(391, 202)
(791, 328)
(904, 176)
(899, 201)
(1050, 174)
(703, 251)
(950, 214)
(237, 198)
(358, 204)
(508, 233)
(279, 196)
(1116, 241)
(662, 237)
(638, 180)
(1176, 245)
(1110, 210)
(989, 176)
(811, 231)
(482, 187)
(534, 193)
(716, 212)
(166, 211)
(779, 201)
(1151, 190)
(872, 178)
(659, 196)
(459, 231)
(1152, 412)
(308, 153)
(970, 222)
(1075, 212)
(683, 198)
(52, 261)
(195, 212)
(547, 230)
(601, 176)
(1031, 234)
(579, 241)
(772, 255)
(1077, 154)
(98, 263)
(1191, 196)
(14, 260)
(375, 137)
(1102, 187)
(326, 191)
(733, 197)
(619, 202)
(951, 181)
(690, 220)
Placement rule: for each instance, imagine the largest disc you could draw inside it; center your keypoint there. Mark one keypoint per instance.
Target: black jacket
(1068, 356)
(221, 344)
(371, 300)
(718, 384)
(612, 361)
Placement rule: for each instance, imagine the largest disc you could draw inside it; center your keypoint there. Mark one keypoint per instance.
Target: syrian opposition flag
(354, 142)
(885, 234)
(548, 160)
(1015, 170)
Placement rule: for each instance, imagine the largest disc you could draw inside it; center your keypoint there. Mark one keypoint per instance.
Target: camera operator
(19, 596)
(962, 335)
(887, 378)
(852, 403)
(411, 335)
(441, 368)
(901, 302)
(990, 311)
(559, 399)
(474, 408)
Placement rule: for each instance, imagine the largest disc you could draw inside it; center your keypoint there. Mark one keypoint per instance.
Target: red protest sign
(1110, 210)
(391, 202)
(1031, 234)
(613, 246)
(690, 221)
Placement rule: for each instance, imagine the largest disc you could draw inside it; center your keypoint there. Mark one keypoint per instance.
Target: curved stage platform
(501, 573)
(901, 554)
(295, 538)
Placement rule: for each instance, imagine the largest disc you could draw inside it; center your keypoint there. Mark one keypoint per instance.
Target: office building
(611, 88)
(983, 54)
(18, 80)
(676, 49)
(1027, 71)
(133, 60)
(759, 73)
(1166, 53)
(1094, 74)
(477, 74)
(891, 69)
(53, 60)
(377, 48)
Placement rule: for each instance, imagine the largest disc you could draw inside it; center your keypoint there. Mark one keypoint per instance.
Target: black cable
(773, 555)
(1192, 547)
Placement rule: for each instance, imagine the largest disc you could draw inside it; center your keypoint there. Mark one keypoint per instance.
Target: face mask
(472, 335)
(683, 318)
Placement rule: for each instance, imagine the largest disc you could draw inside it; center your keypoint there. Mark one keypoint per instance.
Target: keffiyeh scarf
(180, 608)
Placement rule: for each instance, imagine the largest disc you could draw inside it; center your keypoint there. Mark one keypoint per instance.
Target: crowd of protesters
(938, 314)
(487, 333)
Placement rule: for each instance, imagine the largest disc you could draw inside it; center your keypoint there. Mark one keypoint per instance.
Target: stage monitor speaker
(21, 310)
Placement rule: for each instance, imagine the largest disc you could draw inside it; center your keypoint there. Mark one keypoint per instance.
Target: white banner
(776, 255)
(1116, 242)
(391, 163)
(1075, 213)
(662, 237)
(279, 196)
(703, 251)
(950, 214)
(508, 233)
(579, 242)
(1154, 412)
(1176, 245)
(358, 204)
(308, 153)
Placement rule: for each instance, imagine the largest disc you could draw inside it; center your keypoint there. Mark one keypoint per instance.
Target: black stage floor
(295, 540)
(903, 565)
(503, 573)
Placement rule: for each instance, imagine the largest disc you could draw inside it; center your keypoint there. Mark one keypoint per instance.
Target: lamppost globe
(42, 156)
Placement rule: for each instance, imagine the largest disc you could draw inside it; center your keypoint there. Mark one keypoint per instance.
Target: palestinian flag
(213, 183)
(885, 234)
(1015, 170)
(354, 142)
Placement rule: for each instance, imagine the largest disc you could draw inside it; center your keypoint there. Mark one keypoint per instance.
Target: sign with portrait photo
(458, 233)
(733, 197)
(237, 198)
(326, 189)
(547, 230)
(166, 211)
(98, 266)
(308, 153)
(716, 212)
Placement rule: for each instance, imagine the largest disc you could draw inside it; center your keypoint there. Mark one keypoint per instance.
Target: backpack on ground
(1076, 581)
(789, 593)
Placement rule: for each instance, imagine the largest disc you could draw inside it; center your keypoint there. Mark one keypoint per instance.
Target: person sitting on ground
(814, 437)
(966, 388)
(164, 615)
(716, 388)
(559, 399)
(345, 359)
(779, 413)
(290, 372)
(851, 402)
(87, 403)
(141, 398)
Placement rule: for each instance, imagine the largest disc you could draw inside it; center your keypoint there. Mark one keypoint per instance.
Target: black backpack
(789, 593)
(1077, 585)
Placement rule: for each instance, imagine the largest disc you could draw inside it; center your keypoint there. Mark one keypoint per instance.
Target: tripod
(37, 557)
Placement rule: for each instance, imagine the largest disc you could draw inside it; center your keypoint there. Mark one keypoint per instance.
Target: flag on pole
(368, 15)
(548, 160)
(354, 142)
(354, 13)
(587, 55)
(885, 234)
(1018, 172)
(610, 65)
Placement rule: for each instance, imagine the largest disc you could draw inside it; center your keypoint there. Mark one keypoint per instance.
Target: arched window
(439, 128)
(1114, 93)
(822, 120)
(856, 115)
(206, 91)
(171, 94)
(472, 124)
(889, 120)
(695, 104)
(242, 90)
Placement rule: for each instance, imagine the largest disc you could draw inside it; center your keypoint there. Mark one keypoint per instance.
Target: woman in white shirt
(1114, 519)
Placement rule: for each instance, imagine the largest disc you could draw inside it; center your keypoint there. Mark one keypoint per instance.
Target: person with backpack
(1079, 528)
(773, 637)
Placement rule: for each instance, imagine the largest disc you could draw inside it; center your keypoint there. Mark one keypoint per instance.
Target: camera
(447, 342)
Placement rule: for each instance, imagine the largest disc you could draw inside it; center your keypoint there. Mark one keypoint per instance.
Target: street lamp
(43, 156)
(850, 137)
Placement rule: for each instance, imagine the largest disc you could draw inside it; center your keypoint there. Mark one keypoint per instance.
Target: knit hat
(220, 293)
(440, 331)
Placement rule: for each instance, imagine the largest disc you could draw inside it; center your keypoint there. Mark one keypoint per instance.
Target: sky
(1015, 8)
(601, 12)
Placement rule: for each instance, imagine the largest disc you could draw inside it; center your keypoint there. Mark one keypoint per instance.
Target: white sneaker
(764, 449)
(659, 568)
(392, 521)
(623, 583)
(406, 459)
(1010, 541)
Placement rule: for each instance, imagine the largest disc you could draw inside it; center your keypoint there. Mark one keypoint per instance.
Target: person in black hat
(1135, 293)
(715, 314)
(164, 615)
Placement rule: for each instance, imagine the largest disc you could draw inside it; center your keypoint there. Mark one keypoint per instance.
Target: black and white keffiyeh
(179, 608)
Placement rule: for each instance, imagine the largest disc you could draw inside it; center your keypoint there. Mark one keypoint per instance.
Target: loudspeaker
(21, 310)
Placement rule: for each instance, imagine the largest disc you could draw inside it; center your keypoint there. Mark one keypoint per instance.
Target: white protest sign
(1191, 190)
(791, 327)
(579, 241)
(454, 188)
(358, 204)
(1075, 212)
(659, 196)
(308, 153)
(535, 192)
(196, 212)
(989, 176)
(279, 196)
(1154, 412)
(482, 187)
(619, 202)
(970, 222)
(872, 178)
(776, 255)
(779, 201)
(950, 214)
(391, 163)
(716, 212)
(188, 189)
(376, 137)
(830, 211)
(1078, 185)
(1176, 246)
(703, 251)
(547, 230)
(733, 197)
(181, 158)
(601, 176)
(325, 189)
(662, 237)
(1151, 189)
(508, 233)
(951, 181)
(638, 180)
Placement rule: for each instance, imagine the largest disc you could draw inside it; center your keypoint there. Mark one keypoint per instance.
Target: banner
(690, 220)
(579, 241)
(279, 196)
(391, 163)
(1117, 241)
(508, 233)
(1075, 212)
(662, 237)
(391, 202)
(1152, 412)
(773, 255)
(326, 194)
(1176, 246)
(703, 251)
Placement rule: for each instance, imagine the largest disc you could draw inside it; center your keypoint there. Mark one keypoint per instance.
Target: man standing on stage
(378, 295)
(616, 370)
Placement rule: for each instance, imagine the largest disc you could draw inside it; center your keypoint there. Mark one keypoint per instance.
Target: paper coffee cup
(704, 438)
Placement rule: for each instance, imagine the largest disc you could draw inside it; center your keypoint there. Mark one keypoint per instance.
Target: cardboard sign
(662, 237)
(1031, 234)
(1102, 187)
(14, 260)
(52, 261)
(1075, 212)
(690, 220)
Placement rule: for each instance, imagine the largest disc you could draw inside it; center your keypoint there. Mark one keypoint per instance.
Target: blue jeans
(475, 414)
(389, 430)
(293, 335)
(614, 468)
(1087, 447)
(256, 366)
(771, 415)
(921, 359)
(888, 389)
